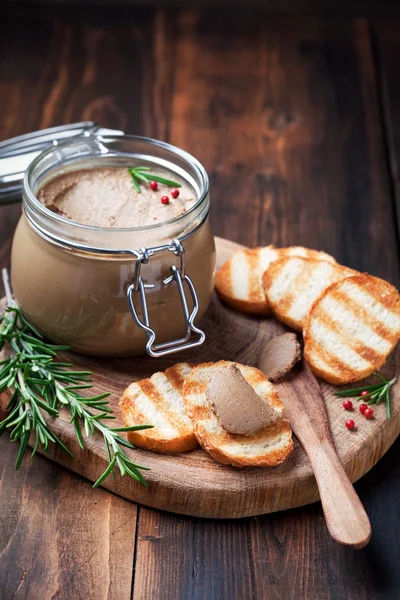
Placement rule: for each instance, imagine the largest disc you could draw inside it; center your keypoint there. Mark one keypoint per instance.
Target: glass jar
(114, 292)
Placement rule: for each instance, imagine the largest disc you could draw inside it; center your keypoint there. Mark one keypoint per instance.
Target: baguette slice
(239, 281)
(267, 448)
(293, 284)
(158, 401)
(352, 328)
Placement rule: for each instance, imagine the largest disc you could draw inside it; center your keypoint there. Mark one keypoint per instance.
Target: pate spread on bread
(267, 447)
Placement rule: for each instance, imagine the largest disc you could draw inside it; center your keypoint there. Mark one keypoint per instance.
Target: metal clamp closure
(179, 276)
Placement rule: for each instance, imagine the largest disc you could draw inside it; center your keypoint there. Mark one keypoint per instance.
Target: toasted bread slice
(292, 285)
(352, 328)
(239, 281)
(267, 448)
(158, 401)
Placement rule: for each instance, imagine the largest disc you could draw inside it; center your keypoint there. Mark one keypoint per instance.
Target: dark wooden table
(297, 119)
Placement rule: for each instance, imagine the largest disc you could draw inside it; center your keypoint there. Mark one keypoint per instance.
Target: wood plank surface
(284, 113)
(59, 538)
(387, 53)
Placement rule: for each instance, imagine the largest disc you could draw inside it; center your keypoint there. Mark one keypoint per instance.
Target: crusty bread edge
(252, 308)
(329, 378)
(275, 458)
(182, 444)
(249, 308)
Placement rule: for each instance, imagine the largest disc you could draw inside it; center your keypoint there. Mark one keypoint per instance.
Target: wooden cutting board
(193, 483)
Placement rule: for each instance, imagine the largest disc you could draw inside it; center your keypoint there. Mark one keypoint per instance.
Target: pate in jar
(107, 258)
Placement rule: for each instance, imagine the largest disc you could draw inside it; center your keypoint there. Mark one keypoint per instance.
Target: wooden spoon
(345, 516)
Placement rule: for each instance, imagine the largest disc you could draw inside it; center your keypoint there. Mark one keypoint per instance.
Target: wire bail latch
(177, 275)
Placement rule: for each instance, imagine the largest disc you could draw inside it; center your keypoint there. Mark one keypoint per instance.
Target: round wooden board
(193, 483)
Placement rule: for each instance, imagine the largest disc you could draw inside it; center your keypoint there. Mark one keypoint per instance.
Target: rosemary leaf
(387, 403)
(40, 384)
(106, 473)
(168, 182)
(141, 174)
(132, 428)
(23, 444)
(135, 183)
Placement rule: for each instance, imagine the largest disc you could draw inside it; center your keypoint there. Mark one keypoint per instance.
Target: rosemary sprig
(40, 383)
(141, 174)
(377, 392)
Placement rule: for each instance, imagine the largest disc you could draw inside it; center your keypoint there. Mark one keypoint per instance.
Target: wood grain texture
(58, 534)
(319, 179)
(387, 54)
(193, 483)
(292, 157)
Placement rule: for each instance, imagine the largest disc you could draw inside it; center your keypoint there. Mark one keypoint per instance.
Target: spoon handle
(345, 516)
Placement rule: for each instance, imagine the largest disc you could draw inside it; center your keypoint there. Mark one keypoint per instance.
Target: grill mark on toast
(300, 284)
(275, 272)
(179, 421)
(136, 414)
(156, 398)
(387, 299)
(371, 284)
(339, 345)
(310, 282)
(197, 387)
(174, 375)
(159, 400)
(365, 315)
(333, 365)
(149, 390)
(140, 401)
(329, 358)
(366, 352)
(303, 278)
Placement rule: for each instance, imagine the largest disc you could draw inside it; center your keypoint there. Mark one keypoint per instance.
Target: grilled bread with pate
(352, 328)
(293, 284)
(158, 401)
(266, 448)
(239, 281)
